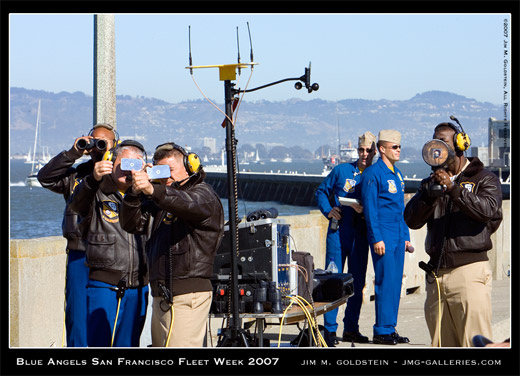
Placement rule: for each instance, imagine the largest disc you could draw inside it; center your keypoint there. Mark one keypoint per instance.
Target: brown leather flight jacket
(460, 223)
(184, 250)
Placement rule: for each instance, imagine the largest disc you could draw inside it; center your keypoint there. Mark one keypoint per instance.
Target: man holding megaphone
(461, 203)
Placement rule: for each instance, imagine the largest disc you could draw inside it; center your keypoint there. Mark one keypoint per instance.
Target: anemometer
(234, 335)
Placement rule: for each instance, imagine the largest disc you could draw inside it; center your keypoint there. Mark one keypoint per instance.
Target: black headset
(191, 160)
(110, 155)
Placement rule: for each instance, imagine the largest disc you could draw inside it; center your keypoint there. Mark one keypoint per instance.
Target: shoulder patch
(110, 211)
(470, 186)
(392, 188)
(349, 186)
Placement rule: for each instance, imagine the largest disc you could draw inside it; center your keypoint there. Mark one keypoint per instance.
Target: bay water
(37, 212)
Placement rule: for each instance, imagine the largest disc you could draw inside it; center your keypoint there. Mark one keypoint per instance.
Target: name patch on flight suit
(468, 185)
(392, 188)
(402, 181)
(110, 211)
(349, 186)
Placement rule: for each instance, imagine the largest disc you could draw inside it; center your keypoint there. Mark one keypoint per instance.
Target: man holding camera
(117, 287)
(59, 176)
(188, 226)
(461, 204)
(349, 238)
(382, 197)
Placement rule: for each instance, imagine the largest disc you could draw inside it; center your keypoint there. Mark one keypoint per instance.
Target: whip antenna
(250, 42)
(189, 46)
(238, 49)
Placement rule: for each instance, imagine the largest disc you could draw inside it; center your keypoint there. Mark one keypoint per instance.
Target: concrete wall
(36, 291)
(37, 275)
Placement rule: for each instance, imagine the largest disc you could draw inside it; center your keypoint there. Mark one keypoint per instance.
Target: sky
(367, 56)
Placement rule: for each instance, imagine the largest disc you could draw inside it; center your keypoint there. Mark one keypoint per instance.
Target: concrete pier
(37, 277)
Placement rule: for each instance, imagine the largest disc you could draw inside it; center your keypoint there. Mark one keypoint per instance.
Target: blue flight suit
(382, 196)
(76, 280)
(103, 310)
(348, 241)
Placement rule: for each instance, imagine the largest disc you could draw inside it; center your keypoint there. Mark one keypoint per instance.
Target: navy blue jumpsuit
(382, 194)
(348, 241)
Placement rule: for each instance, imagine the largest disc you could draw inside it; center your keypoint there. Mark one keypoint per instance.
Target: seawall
(37, 275)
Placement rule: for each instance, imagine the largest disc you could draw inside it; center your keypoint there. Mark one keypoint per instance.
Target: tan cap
(366, 139)
(390, 135)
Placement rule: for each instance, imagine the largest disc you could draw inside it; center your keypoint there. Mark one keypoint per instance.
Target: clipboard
(345, 201)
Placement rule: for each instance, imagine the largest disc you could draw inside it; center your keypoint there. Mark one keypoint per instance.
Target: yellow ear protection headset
(191, 160)
(110, 155)
(110, 128)
(461, 140)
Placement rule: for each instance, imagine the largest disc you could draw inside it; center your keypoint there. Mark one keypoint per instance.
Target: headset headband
(171, 146)
(106, 126)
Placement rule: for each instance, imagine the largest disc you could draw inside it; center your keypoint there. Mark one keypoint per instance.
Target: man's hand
(358, 208)
(141, 182)
(335, 213)
(74, 149)
(442, 177)
(102, 168)
(408, 247)
(379, 248)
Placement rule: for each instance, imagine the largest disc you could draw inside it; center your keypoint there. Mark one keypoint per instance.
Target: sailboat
(32, 180)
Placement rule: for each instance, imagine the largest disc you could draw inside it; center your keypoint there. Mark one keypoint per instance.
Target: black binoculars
(262, 214)
(99, 144)
(267, 293)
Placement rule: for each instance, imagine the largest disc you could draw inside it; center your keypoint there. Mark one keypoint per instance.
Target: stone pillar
(104, 70)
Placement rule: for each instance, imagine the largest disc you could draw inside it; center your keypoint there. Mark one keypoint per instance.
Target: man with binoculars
(461, 204)
(59, 176)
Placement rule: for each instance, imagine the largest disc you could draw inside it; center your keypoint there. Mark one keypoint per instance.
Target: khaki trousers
(190, 315)
(465, 307)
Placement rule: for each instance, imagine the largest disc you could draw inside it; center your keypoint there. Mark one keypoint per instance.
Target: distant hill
(293, 122)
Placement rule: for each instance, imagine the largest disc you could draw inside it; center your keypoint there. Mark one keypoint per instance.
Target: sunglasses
(395, 147)
(367, 150)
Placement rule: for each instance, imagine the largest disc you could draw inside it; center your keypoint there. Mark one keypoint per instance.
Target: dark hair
(444, 126)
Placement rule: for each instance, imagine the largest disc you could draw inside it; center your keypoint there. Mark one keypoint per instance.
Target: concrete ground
(411, 322)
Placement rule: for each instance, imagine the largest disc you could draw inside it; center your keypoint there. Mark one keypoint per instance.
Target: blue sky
(368, 56)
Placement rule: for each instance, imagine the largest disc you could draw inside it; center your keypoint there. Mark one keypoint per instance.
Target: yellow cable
(309, 319)
(322, 340)
(115, 323)
(170, 330)
(281, 324)
(439, 306)
(65, 304)
(315, 324)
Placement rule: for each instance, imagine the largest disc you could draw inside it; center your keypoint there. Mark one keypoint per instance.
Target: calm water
(38, 212)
